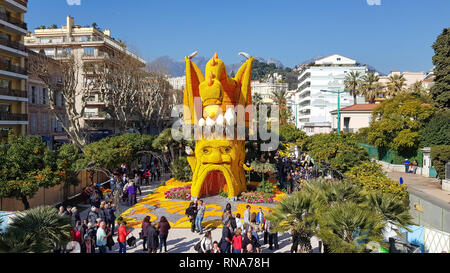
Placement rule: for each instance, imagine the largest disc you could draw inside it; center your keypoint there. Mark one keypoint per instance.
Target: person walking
(163, 228)
(239, 223)
(191, 212)
(138, 184)
(260, 218)
(273, 236)
(227, 237)
(206, 244)
(75, 216)
(102, 237)
(145, 225)
(247, 214)
(199, 217)
(152, 239)
(237, 241)
(102, 211)
(92, 216)
(122, 239)
(110, 210)
(407, 162)
(415, 165)
(131, 194)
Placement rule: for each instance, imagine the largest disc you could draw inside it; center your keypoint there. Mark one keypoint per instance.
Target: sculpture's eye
(227, 149)
(206, 150)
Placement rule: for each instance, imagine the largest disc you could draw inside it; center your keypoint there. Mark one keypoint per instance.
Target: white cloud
(374, 2)
(73, 2)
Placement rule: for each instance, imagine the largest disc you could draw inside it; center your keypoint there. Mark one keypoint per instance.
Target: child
(237, 241)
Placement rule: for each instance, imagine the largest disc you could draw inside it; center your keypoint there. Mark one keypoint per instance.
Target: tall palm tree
(279, 96)
(37, 230)
(395, 85)
(352, 82)
(370, 87)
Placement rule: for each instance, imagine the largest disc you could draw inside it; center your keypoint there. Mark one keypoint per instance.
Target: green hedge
(440, 155)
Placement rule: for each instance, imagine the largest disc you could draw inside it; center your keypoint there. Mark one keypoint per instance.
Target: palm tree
(394, 211)
(37, 230)
(279, 96)
(396, 85)
(352, 82)
(348, 227)
(296, 212)
(370, 87)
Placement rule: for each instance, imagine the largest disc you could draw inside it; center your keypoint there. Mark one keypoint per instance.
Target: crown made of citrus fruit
(217, 84)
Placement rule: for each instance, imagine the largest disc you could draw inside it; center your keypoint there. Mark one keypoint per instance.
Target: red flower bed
(256, 197)
(183, 193)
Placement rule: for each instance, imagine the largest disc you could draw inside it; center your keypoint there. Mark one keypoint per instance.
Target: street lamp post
(338, 105)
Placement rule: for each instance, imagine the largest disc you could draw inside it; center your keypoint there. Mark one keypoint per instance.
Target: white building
(314, 106)
(177, 82)
(266, 89)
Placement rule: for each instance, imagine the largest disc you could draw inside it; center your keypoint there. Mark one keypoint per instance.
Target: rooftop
(358, 107)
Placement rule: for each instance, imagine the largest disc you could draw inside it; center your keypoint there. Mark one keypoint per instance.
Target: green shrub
(437, 131)
(440, 155)
(181, 170)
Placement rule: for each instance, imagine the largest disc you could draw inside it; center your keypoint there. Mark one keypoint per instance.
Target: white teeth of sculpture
(230, 117)
(220, 120)
(201, 122)
(209, 122)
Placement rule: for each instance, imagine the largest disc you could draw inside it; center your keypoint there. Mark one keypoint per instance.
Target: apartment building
(41, 118)
(13, 74)
(410, 77)
(266, 89)
(314, 106)
(89, 46)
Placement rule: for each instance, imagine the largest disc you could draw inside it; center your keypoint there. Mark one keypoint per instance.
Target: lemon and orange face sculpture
(217, 164)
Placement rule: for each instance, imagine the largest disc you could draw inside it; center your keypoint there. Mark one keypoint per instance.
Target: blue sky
(396, 35)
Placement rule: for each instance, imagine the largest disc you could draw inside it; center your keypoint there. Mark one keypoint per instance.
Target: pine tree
(441, 89)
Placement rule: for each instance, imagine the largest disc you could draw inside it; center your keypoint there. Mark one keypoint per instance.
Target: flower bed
(183, 193)
(256, 197)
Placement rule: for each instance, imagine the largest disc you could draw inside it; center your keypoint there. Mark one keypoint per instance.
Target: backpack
(77, 235)
(198, 247)
(131, 241)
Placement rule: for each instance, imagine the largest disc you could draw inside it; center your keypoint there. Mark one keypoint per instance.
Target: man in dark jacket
(250, 239)
(227, 236)
(191, 212)
(110, 210)
(152, 239)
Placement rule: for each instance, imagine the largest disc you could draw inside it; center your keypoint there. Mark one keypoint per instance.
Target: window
(5, 108)
(45, 96)
(4, 84)
(89, 51)
(33, 94)
(33, 123)
(44, 122)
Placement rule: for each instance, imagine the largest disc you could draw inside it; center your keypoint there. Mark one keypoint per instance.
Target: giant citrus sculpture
(218, 160)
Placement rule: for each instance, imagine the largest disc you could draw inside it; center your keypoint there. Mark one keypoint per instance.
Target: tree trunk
(25, 202)
(354, 98)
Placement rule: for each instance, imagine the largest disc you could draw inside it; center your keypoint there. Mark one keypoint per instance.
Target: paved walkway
(182, 240)
(424, 187)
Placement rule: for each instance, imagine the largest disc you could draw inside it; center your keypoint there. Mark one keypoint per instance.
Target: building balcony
(14, 93)
(14, 21)
(17, 70)
(9, 118)
(19, 6)
(14, 47)
(96, 116)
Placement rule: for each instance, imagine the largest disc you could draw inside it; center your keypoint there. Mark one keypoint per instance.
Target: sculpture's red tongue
(214, 182)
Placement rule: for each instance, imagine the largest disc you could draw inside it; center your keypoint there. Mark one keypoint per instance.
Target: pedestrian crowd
(238, 235)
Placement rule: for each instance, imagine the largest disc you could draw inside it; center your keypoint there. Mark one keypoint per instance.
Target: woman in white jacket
(206, 243)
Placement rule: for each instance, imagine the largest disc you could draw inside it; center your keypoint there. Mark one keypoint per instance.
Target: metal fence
(391, 156)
